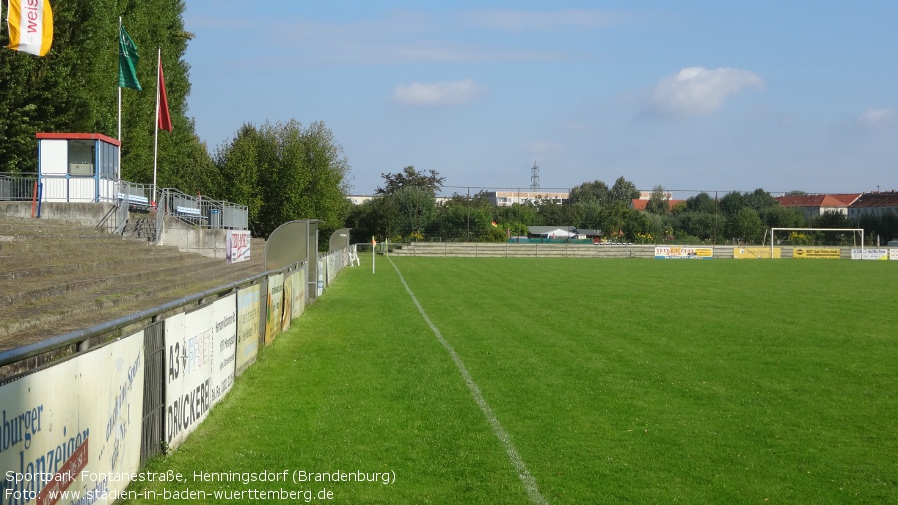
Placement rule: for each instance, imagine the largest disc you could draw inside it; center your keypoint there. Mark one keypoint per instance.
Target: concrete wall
(187, 238)
(86, 214)
(498, 250)
(493, 250)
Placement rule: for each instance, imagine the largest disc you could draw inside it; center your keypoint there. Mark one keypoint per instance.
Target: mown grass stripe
(514, 457)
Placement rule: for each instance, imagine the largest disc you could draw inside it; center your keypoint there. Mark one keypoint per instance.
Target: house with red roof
(817, 205)
(875, 204)
(641, 203)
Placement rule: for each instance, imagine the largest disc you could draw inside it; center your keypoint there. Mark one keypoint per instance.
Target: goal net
(817, 237)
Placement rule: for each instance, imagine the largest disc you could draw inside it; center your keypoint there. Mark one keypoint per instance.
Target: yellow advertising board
(299, 292)
(756, 252)
(287, 310)
(826, 253)
(275, 307)
(248, 326)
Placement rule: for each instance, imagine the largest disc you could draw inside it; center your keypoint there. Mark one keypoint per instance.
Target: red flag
(164, 117)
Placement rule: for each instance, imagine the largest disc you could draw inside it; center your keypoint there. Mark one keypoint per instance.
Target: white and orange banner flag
(30, 26)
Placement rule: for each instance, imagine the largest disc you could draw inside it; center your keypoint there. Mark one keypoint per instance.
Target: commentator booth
(78, 167)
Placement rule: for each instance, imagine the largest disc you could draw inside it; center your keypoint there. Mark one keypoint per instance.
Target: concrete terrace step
(47, 246)
(73, 260)
(68, 283)
(52, 316)
(57, 277)
(45, 265)
(37, 227)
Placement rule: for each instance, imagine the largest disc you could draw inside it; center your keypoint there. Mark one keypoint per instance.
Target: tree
(705, 226)
(373, 218)
(590, 192)
(416, 208)
(658, 202)
(411, 177)
(552, 213)
(517, 217)
(783, 217)
(463, 218)
(747, 225)
(623, 192)
(701, 202)
(589, 215)
(731, 203)
(494, 234)
(453, 219)
(410, 197)
(283, 172)
(831, 219)
(760, 200)
(74, 89)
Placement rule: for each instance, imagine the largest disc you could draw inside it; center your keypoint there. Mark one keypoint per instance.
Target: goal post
(854, 231)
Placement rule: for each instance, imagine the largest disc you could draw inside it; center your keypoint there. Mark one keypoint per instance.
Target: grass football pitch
(562, 381)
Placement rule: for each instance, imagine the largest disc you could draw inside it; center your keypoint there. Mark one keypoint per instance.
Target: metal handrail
(205, 212)
(17, 186)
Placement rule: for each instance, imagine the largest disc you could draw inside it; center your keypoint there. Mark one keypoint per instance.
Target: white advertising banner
(200, 354)
(870, 254)
(331, 267)
(237, 247)
(248, 326)
(188, 388)
(224, 355)
(678, 252)
(893, 254)
(71, 433)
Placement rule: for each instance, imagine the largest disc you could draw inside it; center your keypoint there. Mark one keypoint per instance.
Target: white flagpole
(119, 174)
(156, 125)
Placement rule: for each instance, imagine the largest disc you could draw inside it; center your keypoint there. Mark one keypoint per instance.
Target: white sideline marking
(526, 479)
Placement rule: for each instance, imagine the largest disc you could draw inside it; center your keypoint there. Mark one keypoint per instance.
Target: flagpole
(156, 125)
(119, 174)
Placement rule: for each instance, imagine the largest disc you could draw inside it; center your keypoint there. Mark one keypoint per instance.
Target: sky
(697, 95)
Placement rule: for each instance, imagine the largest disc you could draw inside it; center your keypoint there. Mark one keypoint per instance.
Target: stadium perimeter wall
(89, 422)
(509, 250)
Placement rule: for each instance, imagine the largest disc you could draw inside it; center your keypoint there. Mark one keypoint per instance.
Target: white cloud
(696, 91)
(437, 93)
(877, 118)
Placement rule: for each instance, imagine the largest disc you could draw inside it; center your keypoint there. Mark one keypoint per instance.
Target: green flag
(127, 61)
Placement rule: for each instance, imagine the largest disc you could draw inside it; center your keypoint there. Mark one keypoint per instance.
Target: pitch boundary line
(513, 455)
